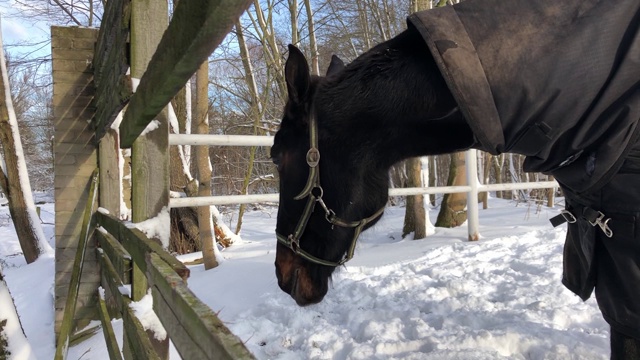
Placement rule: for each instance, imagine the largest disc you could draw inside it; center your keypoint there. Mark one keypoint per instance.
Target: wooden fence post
(150, 152)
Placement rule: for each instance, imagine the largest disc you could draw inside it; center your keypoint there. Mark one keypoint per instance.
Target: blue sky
(17, 31)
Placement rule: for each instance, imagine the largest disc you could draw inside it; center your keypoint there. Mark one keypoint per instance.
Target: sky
(19, 31)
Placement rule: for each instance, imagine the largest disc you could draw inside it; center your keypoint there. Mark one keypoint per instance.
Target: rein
(313, 191)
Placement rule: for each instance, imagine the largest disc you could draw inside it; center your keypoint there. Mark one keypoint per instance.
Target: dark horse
(558, 82)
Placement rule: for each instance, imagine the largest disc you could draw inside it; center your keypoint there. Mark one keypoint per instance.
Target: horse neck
(391, 104)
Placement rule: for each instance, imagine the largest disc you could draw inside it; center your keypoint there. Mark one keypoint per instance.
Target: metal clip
(603, 224)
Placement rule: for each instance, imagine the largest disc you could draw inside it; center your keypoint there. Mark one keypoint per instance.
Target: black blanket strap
(565, 216)
(594, 217)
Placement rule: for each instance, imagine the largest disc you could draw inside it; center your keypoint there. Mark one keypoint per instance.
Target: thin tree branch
(68, 12)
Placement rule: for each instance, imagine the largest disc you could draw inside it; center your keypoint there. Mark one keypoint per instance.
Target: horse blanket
(559, 82)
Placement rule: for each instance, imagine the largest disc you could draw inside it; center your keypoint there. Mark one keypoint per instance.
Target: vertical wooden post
(110, 177)
(149, 155)
(150, 152)
(72, 49)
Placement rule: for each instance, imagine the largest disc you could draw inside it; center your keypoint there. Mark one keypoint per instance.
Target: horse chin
(294, 279)
(303, 291)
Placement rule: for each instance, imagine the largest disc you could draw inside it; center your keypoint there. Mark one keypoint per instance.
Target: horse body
(426, 92)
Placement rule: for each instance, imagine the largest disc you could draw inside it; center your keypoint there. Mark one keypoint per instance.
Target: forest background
(246, 97)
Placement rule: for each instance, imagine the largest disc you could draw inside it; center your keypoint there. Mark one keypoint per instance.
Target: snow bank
(18, 346)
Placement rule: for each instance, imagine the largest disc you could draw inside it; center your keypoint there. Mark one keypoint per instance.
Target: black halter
(314, 192)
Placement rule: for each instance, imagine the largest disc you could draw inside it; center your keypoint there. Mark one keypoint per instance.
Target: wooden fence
(134, 34)
(130, 264)
(134, 259)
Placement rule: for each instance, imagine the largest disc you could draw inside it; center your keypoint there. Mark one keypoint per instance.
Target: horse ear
(336, 65)
(296, 73)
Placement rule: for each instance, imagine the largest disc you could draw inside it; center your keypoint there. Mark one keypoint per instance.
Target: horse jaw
(294, 278)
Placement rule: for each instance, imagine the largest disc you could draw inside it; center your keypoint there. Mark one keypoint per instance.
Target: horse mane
(396, 71)
(392, 86)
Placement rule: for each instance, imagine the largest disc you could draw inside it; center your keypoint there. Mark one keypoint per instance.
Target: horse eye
(276, 161)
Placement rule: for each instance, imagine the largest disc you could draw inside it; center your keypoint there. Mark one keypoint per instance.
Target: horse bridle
(313, 191)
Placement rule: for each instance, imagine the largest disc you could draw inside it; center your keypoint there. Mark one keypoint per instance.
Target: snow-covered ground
(438, 298)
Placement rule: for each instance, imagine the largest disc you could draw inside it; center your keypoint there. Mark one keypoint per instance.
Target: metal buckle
(313, 157)
(567, 215)
(602, 224)
(294, 244)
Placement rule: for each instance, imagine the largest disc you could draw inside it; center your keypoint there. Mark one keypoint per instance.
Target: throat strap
(293, 240)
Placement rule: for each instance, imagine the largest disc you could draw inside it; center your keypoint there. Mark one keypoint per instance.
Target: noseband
(313, 191)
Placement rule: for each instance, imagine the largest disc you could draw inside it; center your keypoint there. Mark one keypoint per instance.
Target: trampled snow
(437, 298)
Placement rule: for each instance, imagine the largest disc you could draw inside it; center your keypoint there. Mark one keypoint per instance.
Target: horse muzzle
(293, 279)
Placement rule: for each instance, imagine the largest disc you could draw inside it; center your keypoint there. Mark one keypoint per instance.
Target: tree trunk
(14, 179)
(269, 43)
(315, 66)
(498, 162)
(185, 234)
(255, 113)
(486, 168)
(419, 5)
(415, 216)
(377, 16)
(452, 211)
(293, 11)
(432, 179)
(364, 21)
(551, 194)
(204, 168)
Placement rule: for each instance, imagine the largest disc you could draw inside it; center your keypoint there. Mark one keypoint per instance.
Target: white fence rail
(472, 189)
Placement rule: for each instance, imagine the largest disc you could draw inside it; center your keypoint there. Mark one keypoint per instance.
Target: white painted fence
(472, 189)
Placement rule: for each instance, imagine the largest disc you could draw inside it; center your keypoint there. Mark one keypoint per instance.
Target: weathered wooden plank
(110, 61)
(137, 344)
(195, 330)
(196, 29)
(117, 254)
(107, 329)
(139, 284)
(70, 307)
(137, 244)
(112, 283)
(138, 341)
(110, 177)
(83, 335)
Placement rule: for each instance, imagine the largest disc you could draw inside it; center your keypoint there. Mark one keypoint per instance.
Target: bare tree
(31, 96)
(255, 112)
(61, 12)
(204, 168)
(313, 45)
(452, 209)
(415, 219)
(14, 178)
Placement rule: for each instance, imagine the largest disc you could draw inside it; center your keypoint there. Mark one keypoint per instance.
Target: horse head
(319, 215)
(338, 138)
